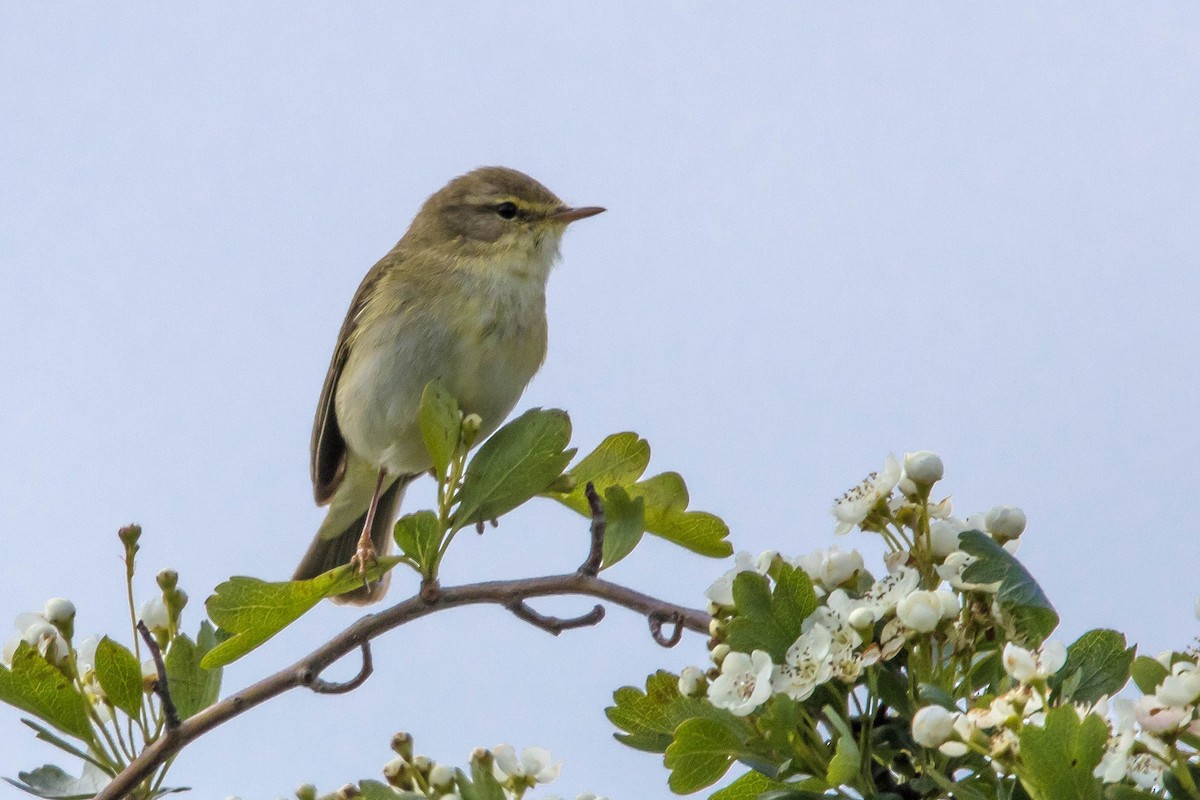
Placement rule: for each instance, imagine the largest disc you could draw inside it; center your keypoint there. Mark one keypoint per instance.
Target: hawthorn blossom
(721, 591)
(831, 567)
(1182, 686)
(932, 726)
(690, 679)
(1027, 666)
(744, 683)
(809, 663)
(922, 611)
(886, 593)
(1114, 764)
(923, 468)
(1004, 522)
(532, 767)
(856, 504)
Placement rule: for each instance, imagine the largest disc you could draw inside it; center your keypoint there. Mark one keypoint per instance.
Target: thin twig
(320, 686)
(160, 684)
(554, 625)
(591, 567)
(500, 593)
(658, 619)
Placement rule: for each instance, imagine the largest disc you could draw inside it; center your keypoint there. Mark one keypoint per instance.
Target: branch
(591, 566)
(160, 684)
(306, 672)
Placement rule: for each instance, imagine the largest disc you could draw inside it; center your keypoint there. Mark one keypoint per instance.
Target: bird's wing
(328, 465)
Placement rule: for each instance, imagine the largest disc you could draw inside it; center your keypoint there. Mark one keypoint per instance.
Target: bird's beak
(567, 214)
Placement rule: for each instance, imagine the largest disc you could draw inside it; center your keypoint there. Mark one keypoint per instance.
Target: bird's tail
(337, 539)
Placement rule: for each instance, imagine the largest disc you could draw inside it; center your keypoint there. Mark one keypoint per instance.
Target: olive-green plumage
(460, 298)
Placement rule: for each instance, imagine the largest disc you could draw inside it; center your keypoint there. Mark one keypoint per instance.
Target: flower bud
(59, 609)
(348, 792)
(920, 610)
(470, 429)
(1005, 522)
(398, 773)
(154, 614)
(716, 627)
(129, 536)
(932, 726)
(441, 777)
(483, 757)
(167, 579)
(690, 680)
(719, 652)
(306, 791)
(923, 467)
(402, 745)
(422, 764)
(861, 618)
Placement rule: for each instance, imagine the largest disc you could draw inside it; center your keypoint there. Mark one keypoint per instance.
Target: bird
(461, 299)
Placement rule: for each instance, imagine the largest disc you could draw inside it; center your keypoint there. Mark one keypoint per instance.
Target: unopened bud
(470, 428)
(483, 757)
(422, 764)
(441, 777)
(924, 468)
(716, 627)
(306, 791)
(719, 652)
(167, 579)
(60, 612)
(129, 536)
(348, 792)
(398, 773)
(1005, 522)
(861, 618)
(402, 745)
(690, 679)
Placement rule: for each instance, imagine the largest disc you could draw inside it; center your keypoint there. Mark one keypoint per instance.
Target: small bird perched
(461, 298)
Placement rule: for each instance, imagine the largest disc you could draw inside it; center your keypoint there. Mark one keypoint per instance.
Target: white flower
(744, 683)
(886, 593)
(923, 610)
(533, 767)
(861, 618)
(1182, 686)
(690, 679)
(154, 614)
(830, 567)
(853, 507)
(1156, 717)
(932, 726)
(809, 664)
(721, 591)
(1005, 522)
(58, 609)
(441, 776)
(1114, 764)
(1025, 666)
(46, 639)
(923, 467)
(1146, 771)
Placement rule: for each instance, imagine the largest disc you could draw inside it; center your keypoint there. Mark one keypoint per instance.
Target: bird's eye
(507, 210)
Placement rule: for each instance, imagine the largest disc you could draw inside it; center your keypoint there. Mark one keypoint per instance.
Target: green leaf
(843, 767)
(46, 735)
(419, 536)
(441, 425)
(34, 685)
(1019, 594)
(770, 620)
(120, 676)
(1098, 665)
(747, 787)
(619, 461)
(520, 460)
(649, 718)
(1121, 791)
(1148, 673)
(625, 521)
(482, 785)
(53, 782)
(251, 610)
(193, 688)
(702, 752)
(1059, 757)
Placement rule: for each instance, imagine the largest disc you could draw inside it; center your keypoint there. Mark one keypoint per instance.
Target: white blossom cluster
(843, 636)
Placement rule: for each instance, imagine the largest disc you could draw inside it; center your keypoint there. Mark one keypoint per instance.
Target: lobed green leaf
(1098, 665)
(418, 536)
(649, 718)
(768, 619)
(252, 610)
(193, 688)
(625, 522)
(701, 754)
(1059, 758)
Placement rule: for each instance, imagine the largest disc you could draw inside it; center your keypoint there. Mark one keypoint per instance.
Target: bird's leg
(364, 555)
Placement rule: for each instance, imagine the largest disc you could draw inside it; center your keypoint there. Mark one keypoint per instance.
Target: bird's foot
(365, 555)
(479, 526)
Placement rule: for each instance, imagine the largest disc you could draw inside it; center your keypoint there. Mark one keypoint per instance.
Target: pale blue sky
(834, 231)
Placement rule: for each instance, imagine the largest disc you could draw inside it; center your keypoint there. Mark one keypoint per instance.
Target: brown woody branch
(307, 671)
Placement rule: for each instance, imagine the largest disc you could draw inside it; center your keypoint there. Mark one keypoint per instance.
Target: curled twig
(314, 681)
(160, 684)
(659, 618)
(591, 566)
(554, 625)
